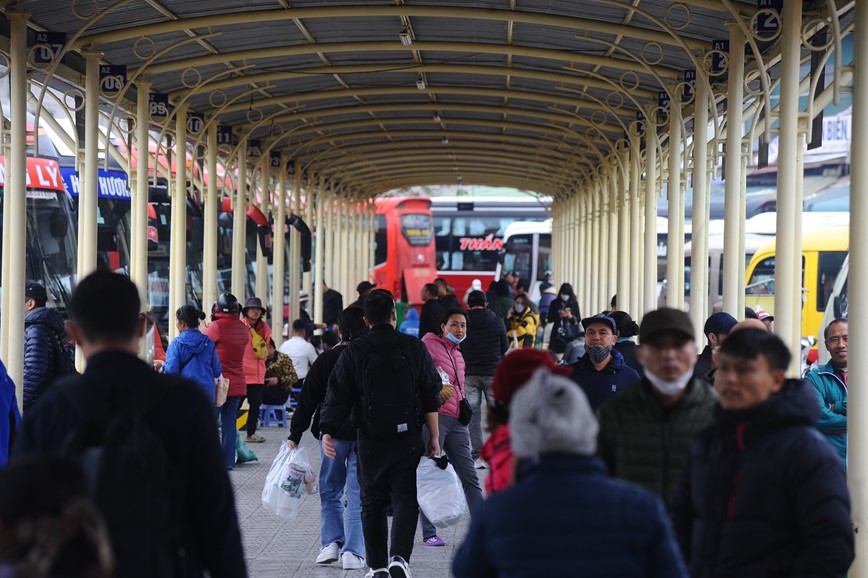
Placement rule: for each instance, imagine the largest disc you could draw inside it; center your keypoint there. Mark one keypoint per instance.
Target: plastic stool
(270, 412)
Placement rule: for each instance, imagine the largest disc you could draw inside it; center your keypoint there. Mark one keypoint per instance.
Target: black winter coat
(627, 349)
(556, 342)
(429, 319)
(486, 342)
(43, 346)
(702, 369)
(448, 302)
(764, 495)
(313, 394)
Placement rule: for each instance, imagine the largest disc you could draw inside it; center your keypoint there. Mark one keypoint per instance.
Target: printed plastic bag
(439, 493)
(221, 390)
(243, 453)
(288, 480)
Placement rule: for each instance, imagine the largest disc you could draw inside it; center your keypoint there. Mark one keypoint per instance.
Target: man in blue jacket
(43, 343)
(830, 383)
(10, 419)
(601, 372)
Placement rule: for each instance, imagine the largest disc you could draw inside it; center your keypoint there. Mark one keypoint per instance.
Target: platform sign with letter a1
(640, 122)
(195, 122)
(720, 55)
(689, 84)
(158, 106)
(48, 46)
(112, 79)
(767, 22)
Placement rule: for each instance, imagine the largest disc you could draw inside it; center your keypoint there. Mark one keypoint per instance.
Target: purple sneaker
(435, 541)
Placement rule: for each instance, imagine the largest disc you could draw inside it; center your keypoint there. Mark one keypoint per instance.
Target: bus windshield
(518, 255)
(417, 229)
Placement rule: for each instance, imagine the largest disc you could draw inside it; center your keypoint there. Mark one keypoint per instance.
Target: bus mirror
(265, 239)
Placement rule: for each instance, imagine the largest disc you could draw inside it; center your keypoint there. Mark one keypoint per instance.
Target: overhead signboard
(112, 79)
(48, 46)
(110, 184)
(158, 106)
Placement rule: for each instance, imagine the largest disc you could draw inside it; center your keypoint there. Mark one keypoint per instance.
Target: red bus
(404, 253)
(468, 235)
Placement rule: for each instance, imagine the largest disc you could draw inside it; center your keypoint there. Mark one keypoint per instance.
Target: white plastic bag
(439, 493)
(221, 390)
(288, 480)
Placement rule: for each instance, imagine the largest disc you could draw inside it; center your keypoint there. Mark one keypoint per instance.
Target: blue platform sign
(158, 106)
(224, 135)
(112, 79)
(49, 45)
(110, 185)
(721, 53)
(689, 83)
(765, 22)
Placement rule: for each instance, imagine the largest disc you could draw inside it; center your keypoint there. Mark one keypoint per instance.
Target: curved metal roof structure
(375, 95)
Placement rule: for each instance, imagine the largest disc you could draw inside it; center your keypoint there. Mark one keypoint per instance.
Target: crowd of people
(613, 447)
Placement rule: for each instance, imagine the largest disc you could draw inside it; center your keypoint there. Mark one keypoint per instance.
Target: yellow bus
(825, 244)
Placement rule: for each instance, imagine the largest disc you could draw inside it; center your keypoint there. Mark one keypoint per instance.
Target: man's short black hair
(352, 323)
(829, 326)
(105, 307)
(330, 338)
(455, 311)
(431, 288)
(751, 343)
(441, 281)
(298, 326)
(379, 306)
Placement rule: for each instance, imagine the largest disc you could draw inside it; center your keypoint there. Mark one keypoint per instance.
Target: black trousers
(387, 477)
(254, 400)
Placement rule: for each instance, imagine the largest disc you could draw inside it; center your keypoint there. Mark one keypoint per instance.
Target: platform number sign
(195, 122)
(112, 79)
(274, 159)
(224, 135)
(49, 45)
(664, 103)
(718, 58)
(689, 84)
(640, 122)
(767, 22)
(254, 149)
(158, 106)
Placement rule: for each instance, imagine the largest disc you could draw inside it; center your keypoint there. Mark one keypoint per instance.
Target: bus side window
(828, 267)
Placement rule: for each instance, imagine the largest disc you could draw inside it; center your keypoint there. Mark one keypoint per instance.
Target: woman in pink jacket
(454, 436)
(255, 355)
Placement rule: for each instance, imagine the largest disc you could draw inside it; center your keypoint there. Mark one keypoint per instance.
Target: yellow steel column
(789, 202)
(635, 231)
(612, 193)
(649, 292)
(603, 244)
(139, 208)
(209, 252)
(857, 459)
(87, 202)
(295, 273)
(15, 206)
(279, 258)
(239, 226)
(699, 237)
(309, 208)
(624, 233)
(596, 249)
(674, 291)
(318, 254)
(264, 203)
(178, 244)
(733, 238)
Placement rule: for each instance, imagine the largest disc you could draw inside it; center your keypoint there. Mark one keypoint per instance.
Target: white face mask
(565, 297)
(519, 308)
(669, 387)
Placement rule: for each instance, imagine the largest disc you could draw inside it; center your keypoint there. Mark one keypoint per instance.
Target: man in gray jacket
(483, 349)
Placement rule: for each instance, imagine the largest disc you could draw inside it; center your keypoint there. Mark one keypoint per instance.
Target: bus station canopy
(377, 95)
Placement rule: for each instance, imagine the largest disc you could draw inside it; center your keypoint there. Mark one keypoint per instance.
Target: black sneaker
(398, 568)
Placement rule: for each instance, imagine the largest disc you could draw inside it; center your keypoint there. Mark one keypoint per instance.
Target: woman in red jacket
(454, 436)
(255, 355)
(231, 337)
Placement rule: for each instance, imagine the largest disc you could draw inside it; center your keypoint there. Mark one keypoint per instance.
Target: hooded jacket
(194, 356)
(486, 342)
(601, 386)
(643, 442)
(254, 368)
(10, 419)
(763, 494)
(522, 328)
(231, 336)
(565, 517)
(447, 356)
(832, 393)
(43, 331)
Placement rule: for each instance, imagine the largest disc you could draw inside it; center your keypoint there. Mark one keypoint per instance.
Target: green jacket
(832, 393)
(643, 442)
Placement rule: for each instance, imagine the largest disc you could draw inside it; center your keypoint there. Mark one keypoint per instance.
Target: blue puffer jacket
(194, 356)
(10, 419)
(43, 328)
(566, 517)
(601, 386)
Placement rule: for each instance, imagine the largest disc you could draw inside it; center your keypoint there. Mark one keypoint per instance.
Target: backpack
(65, 363)
(128, 474)
(389, 405)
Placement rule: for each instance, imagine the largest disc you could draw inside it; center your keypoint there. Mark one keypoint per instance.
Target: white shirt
(301, 352)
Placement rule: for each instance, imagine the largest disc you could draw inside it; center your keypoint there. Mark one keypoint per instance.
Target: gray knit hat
(551, 414)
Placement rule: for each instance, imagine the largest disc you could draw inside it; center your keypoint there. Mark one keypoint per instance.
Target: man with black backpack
(389, 383)
(45, 354)
(145, 441)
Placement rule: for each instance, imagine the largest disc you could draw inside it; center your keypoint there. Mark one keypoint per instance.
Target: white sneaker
(398, 568)
(378, 573)
(480, 464)
(329, 554)
(351, 561)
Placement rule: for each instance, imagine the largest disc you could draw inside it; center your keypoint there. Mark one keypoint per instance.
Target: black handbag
(465, 413)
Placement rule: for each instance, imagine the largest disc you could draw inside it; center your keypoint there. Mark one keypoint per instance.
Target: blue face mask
(454, 339)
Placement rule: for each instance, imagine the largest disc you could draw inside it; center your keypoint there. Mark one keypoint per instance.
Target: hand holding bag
(439, 493)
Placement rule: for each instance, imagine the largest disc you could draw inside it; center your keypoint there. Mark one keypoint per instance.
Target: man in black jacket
(763, 493)
(388, 444)
(338, 539)
(173, 414)
(446, 295)
(717, 327)
(432, 311)
(43, 344)
(484, 347)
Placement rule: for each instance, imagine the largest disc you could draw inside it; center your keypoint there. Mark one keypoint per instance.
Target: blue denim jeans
(228, 415)
(478, 388)
(334, 476)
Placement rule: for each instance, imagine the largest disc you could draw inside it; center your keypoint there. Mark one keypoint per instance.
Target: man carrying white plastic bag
(439, 492)
(288, 480)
